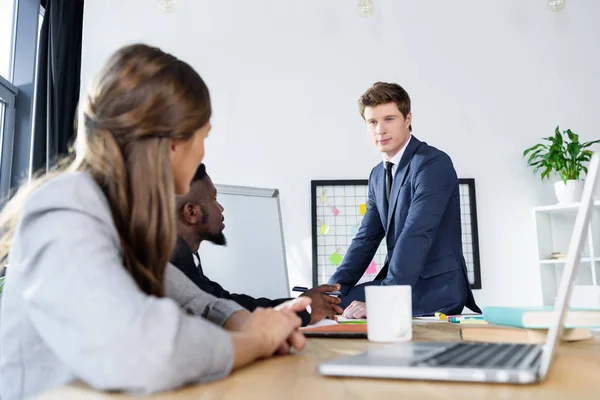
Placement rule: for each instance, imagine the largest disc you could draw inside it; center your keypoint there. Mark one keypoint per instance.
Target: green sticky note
(335, 258)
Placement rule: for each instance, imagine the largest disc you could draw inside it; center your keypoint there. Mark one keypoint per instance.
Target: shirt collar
(396, 159)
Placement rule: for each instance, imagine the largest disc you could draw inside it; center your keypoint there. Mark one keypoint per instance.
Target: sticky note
(335, 211)
(335, 258)
(354, 229)
(324, 229)
(324, 196)
(372, 268)
(362, 208)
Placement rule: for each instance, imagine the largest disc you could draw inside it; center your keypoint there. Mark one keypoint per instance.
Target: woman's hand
(269, 330)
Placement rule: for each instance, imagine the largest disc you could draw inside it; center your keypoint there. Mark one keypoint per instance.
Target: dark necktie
(199, 266)
(388, 181)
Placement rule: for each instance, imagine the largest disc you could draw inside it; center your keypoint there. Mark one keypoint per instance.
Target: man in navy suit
(413, 203)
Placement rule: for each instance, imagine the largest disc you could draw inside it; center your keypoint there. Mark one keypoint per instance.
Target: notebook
(358, 331)
(509, 334)
(540, 317)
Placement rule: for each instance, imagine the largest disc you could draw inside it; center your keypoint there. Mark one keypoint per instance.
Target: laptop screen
(573, 257)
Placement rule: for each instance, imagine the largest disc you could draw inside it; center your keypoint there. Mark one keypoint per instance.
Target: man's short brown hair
(383, 93)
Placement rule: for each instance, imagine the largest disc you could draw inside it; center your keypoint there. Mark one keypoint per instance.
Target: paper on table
(323, 322)
(432, 318)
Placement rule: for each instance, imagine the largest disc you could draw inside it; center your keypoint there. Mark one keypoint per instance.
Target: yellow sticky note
(362, 208)
(324, 196)
(324, 229)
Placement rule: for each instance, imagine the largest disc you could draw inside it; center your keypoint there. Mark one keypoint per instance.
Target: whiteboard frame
(261, 192)
(468, 182)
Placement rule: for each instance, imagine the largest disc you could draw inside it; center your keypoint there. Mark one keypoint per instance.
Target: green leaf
(573, 149)
(537, 146)
(558, 140)
(585, 155)
(564, 155)
(573, 137)
(533, 156)
(546, 173)
(588, 144)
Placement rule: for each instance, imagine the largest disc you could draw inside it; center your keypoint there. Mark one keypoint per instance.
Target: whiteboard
(254, 260)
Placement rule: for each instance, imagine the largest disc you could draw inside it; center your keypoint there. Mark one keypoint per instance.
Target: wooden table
(574, 374)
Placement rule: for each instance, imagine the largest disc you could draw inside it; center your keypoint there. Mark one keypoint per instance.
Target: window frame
(19, 92)
(8, 96)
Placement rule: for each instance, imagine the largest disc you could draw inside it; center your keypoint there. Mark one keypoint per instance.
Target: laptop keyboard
(496, 355)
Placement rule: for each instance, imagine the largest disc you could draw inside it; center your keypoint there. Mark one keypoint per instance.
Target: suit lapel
(400, 175)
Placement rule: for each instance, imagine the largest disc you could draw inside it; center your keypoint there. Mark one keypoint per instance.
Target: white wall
(487, 79)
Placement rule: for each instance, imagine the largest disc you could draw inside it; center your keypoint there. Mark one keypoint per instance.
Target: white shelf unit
(554, 226)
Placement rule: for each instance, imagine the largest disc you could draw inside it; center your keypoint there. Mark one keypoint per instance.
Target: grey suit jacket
(71, 311)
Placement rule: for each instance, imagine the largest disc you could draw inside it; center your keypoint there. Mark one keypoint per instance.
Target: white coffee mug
(389, 313)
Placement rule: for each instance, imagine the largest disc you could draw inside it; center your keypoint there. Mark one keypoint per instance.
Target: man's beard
(218, 239)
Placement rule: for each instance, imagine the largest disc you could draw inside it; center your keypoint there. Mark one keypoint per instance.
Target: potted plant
(564, 156)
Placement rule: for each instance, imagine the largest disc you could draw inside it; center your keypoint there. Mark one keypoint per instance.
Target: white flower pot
(569, 193)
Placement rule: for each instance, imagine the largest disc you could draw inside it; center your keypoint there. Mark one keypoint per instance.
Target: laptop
(478, 362)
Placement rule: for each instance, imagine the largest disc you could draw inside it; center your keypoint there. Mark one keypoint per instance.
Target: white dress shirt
(396, 159)
(196, 259)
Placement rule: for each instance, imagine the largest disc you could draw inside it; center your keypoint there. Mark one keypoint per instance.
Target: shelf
(583, 259)
(572, 207)
(554, 226)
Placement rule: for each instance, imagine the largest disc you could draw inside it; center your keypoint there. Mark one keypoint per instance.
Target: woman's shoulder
(68, 205)
(68, 190)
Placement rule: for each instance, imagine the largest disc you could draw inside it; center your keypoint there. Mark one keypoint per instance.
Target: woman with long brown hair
(89, 293)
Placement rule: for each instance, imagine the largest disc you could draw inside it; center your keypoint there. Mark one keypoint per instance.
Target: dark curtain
(58, 75)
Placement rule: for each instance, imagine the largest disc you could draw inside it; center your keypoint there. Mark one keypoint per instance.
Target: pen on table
(305, 289)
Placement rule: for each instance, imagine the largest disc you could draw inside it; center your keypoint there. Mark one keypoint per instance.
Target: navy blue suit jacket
(422, 229)
(183, 259)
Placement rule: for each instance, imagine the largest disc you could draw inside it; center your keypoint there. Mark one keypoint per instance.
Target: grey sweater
(71, 311)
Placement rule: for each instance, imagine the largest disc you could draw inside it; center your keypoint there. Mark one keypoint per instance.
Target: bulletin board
(337, 210)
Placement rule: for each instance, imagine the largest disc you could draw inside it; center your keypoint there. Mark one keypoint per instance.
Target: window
(7, 8)
(19, 29)
(8, 94)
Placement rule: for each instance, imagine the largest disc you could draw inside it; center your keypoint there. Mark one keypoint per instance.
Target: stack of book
(558, 255)
(530, 325)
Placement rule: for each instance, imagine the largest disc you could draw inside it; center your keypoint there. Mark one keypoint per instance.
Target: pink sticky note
(372, 268)
(335, 211)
